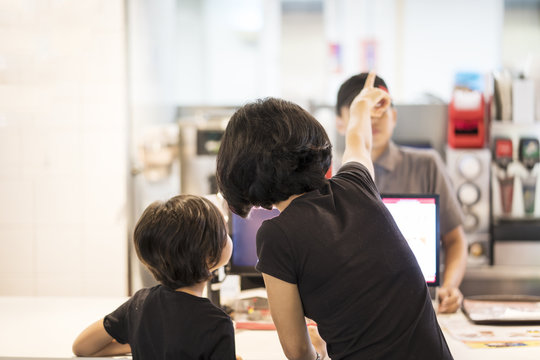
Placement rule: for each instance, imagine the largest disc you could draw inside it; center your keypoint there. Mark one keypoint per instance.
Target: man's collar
(389, 158)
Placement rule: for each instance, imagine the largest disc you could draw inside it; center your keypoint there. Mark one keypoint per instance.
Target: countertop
(45, 327)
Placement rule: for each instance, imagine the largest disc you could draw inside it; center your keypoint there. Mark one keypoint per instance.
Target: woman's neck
(282, 205)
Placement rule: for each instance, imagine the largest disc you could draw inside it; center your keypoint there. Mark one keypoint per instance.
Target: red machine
(466, 120)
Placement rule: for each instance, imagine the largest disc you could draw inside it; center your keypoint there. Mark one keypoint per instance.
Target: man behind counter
(406, 170)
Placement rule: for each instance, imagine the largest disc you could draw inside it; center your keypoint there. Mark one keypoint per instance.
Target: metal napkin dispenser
(199, 144)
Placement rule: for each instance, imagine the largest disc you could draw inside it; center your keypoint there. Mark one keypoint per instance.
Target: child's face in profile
(225, 254)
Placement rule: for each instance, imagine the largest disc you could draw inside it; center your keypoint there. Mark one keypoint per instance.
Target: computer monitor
(243, 234)
(417, 216)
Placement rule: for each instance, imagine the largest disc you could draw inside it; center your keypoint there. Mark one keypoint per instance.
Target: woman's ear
(225, 255)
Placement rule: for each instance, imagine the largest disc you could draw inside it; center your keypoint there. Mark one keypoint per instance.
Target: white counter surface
(45, 327)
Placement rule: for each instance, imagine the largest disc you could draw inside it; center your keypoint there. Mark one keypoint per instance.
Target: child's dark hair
(271, 149)
(352, 87)
(180, 240)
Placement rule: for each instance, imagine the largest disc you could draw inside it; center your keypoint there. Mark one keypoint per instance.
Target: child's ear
(225, 255)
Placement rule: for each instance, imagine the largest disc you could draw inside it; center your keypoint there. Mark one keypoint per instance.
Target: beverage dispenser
(514, 140)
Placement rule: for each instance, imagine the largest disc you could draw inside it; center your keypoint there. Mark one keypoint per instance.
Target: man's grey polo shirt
(404, 170)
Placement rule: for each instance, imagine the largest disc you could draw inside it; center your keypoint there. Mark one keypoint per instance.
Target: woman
(334, 254)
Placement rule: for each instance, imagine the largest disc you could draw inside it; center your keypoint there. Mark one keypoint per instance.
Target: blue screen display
(243, 234)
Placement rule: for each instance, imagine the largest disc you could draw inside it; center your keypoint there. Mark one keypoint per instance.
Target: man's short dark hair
(180, 239)
(271, 149)
(352, 87)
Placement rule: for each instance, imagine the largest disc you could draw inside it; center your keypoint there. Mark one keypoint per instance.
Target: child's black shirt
(160, 323)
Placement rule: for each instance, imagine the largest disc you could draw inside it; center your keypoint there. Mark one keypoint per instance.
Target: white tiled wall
(63, 148)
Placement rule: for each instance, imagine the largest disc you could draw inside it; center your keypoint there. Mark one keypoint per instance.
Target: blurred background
(101, 100)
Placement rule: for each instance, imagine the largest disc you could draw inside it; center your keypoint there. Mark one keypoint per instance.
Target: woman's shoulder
(355, 175)
(353, 170)
(353, 166)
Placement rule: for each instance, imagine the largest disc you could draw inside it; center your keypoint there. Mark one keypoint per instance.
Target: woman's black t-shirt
(160, 323)
(356, 275)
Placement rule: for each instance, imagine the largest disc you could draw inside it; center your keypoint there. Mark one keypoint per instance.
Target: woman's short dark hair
(352, 87)
(180, 240)
(271, 149)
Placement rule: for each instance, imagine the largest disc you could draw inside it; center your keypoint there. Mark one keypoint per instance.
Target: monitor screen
(417, 216)
(243, 234)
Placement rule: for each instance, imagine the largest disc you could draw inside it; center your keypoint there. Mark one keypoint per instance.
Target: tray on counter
(502, 309)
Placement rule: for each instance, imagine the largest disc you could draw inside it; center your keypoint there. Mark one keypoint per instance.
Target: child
(334, 253)
(181, 242)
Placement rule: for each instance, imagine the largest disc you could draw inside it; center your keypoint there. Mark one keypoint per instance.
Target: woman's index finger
(370, 80)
